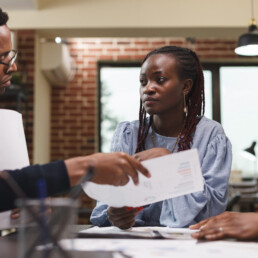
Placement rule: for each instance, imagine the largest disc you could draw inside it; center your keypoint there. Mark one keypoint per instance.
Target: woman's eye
(161, 79)
(143, 82)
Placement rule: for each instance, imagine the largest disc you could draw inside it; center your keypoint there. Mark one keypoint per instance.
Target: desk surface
(9, 247)
(135, 248)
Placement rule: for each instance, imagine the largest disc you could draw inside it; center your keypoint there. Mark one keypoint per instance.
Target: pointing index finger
(137, 164)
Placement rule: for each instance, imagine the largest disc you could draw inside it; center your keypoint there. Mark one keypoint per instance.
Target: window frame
(213, 66)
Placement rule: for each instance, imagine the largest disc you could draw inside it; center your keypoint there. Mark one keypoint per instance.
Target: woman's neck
(168, 125)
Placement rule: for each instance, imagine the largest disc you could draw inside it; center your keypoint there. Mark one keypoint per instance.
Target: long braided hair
(188, 67)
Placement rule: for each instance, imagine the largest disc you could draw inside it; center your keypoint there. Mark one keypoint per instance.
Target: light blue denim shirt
(215, 155)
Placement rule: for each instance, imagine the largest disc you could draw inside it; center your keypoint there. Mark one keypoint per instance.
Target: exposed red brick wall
(26, 63)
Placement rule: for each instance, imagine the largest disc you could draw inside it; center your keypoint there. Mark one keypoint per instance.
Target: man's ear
(187, 86)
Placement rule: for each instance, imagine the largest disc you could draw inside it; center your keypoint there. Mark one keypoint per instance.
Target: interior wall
(42, 111)
(209, 16)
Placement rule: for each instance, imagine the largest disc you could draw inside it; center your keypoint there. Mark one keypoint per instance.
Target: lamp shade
(250, 152)
(247, 44)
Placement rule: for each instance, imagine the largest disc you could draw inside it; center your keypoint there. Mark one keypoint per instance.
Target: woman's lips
(150, 102)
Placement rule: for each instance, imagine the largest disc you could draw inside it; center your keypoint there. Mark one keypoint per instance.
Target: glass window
(239, 112)
(119, 100)
(208, 93)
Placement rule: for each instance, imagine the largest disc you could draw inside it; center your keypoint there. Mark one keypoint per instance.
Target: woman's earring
(185, 107)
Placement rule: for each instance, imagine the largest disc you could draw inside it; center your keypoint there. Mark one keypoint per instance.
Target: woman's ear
(187, 86)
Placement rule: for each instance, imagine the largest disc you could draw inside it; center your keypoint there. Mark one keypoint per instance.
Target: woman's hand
(228, 225)
(151, 153)
(122, 217)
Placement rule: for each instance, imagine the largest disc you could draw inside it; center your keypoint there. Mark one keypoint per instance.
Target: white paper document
(13, 151)
(138, 232)
(13, 148)
(139, 248)
(171, 176)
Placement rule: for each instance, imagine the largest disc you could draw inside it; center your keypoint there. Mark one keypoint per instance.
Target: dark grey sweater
(54, 173)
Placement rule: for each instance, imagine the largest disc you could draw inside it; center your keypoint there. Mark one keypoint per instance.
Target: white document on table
(138, 232)
(141, 248)
(13, 151)
(171, 176)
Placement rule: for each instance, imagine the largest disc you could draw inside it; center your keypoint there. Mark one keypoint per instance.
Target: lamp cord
(252, 8)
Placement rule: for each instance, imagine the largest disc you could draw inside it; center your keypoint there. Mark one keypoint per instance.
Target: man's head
(7, 56)
(3, 18)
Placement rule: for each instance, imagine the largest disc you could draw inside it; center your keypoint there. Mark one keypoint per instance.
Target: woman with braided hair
(172, 94)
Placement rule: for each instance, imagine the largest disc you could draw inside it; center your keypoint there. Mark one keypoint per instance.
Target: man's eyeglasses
(9, 58)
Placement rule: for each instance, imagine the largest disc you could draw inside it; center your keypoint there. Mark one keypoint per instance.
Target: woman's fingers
(198, 225)
(121, 217)
(210, 233)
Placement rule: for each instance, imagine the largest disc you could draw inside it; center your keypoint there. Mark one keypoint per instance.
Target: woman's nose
(149, 88)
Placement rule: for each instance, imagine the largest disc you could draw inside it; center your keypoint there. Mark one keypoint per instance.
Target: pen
(42, 195)
(138, 209)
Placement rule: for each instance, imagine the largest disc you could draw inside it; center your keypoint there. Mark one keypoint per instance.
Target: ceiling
(134, 18)
(19, 4)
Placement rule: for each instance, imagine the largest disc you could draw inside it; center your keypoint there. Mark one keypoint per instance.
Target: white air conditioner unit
(56, 63)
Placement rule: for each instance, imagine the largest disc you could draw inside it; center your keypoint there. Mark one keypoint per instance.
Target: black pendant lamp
(250, 152)
(248, 43)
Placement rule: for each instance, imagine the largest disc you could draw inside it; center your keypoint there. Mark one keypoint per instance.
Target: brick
(161, 42)
(124, 57)
(95, 49)
(131, 49)
(26, 46)
(176, 42)
(22, 33)
(220, 48)
(106, 57)
(89, 43)
(89, 69)
(141, 43)
(139, 57)
(106, 43)
(123, 43)
(146, 49)
(113, 49)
